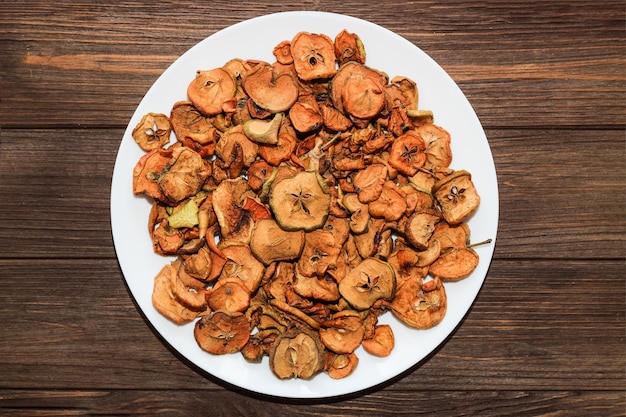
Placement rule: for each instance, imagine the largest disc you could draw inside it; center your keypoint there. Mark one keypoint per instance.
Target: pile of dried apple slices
(302, 199)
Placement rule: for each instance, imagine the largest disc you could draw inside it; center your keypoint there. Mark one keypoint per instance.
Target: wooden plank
(570, 208)
(563, 67)
(536, 325)
(386, 403)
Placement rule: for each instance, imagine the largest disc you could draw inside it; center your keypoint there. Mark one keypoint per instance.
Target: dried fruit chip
(301, 202)
(368, 282)
(152, 132)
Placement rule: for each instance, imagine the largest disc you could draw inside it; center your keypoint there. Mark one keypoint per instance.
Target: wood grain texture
(546, 335)
(559, 64)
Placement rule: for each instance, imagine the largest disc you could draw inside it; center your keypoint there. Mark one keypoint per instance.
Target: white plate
(255, 39)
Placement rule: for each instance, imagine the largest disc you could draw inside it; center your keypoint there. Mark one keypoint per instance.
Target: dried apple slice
(438, 151)
(210, 89)
(343, 332)
(319, 253)
(297, 354)
(241, 264)
(368, 183)
(184, 175)
(457, 196)
(301, 202)
(407, 153)
(381, 343)
(229, 295)
(270, 243)
(368, 282)
(263, 131)
(419, 228)
(189, 124)
(420, 305)
(313, 56)
(340, 365)
(153, 131)
(163, 299)
(349, 47)
(270, 89)
(454, 264)
(222, 332)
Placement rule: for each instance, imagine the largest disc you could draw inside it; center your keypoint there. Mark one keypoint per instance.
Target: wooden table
(546, 333)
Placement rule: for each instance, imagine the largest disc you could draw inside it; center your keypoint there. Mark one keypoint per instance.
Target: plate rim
(225, 32)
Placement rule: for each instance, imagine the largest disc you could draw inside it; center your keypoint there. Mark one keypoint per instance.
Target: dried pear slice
(457, 196)
(390, 204)
(222, 332)
(153, 131)
(297, 354)
(454, 264)
(438, 151)
(234, 144)
(368, 282)
(301, 202)
(184, 175)
(189, 124)
(270, 243)
(210, 89)
(457, 236)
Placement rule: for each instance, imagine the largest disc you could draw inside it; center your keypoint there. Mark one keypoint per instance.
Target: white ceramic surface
(255, 39)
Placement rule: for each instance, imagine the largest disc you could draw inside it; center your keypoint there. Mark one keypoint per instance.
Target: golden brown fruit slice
(301, 202)
(153, 131)
(222, 332)
(407, 153)
(349, 47)
(420, 305)
(313, 56)
(420, 227)
(370, 281)
(382, 342)
(340, 365)
(270, 243)
(297, 354)
(164, 301)
(210, 89)
(457, 196)
(270, 89)
(343, 332)
(454, 264)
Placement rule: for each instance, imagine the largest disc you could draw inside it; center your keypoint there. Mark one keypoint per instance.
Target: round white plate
(386, 51)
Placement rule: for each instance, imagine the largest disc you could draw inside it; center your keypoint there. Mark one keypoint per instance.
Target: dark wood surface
(546, 333)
